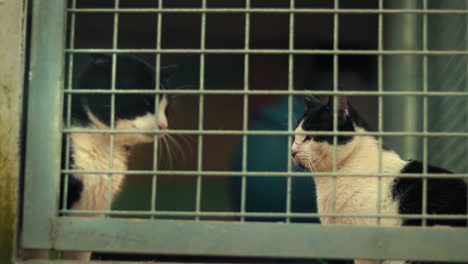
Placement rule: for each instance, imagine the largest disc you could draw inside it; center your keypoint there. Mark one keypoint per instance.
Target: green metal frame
(42, 228)
(43, 139)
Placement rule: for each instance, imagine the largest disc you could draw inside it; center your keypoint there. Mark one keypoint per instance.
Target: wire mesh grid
(336, 11)
(426, 51)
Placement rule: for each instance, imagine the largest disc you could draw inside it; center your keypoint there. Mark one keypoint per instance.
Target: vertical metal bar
(45, 103)
(201, 111)
(290, 107)
(245, 112)
(380, 109)
(335, 100)
(402, 32)
(113, 84)
(69, 99)
(425, 109)
(464, 6)
(154, 178)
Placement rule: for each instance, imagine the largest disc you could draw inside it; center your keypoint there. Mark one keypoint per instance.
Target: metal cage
(419, 110)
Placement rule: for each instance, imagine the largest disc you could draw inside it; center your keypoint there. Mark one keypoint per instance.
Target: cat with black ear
(98, 111)
(360, 154)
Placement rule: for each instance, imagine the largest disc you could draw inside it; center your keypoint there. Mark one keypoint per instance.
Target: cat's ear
(343, 107)
(167, 72)
(311, 101)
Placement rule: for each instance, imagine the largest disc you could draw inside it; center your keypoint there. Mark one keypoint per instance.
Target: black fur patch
(444, 196)
(320, 118)
(75, 188)
(131, 73)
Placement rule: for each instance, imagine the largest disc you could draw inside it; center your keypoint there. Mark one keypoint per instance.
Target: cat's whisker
(181, 148)
(173, 144)
(170, 152)
(174, 152)
(184, 150)
(164, 150)
(177, 147)
(321, 163)
(311, 165)
(161, 148)
(187, 139)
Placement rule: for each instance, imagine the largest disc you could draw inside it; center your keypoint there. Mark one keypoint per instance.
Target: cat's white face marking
(147, 121)
(317, 156)
(305, 152)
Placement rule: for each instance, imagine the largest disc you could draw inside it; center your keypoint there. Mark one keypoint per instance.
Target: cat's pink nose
(294, 152)
(163, 126)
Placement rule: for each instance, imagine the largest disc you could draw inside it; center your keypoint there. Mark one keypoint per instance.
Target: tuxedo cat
(91, 151)
(359, 154)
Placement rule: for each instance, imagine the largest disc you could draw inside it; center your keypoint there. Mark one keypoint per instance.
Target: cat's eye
(307, 138)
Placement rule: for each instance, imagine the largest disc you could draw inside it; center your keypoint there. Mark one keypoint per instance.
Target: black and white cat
(359, 154)
(92, 151)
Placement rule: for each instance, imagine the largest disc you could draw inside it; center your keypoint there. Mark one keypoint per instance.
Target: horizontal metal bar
(255, 214)
(264, 132)
(274, 51)
(263, 92)
(216, 238)
(264, 173)
(268, 10)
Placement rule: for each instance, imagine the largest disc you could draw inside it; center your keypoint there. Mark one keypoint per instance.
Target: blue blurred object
(271, 153)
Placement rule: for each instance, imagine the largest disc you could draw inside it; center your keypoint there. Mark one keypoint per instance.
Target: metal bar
(115, 39)
(276, 92)
(201, 112)
(276, 51)
(259, 239)
(269, 132)
(69, 99)
(278, 174)
(154, 178)
(45, 103)
(290, 108)
(336, 5)
(245, 112)
(425, 114)
(255, 214)
(403, 73)
(269, 10)
(380, 102)
(465, 6)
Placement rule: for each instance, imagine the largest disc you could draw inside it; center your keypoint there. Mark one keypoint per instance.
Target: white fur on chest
(92, 152)
(359, 195)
